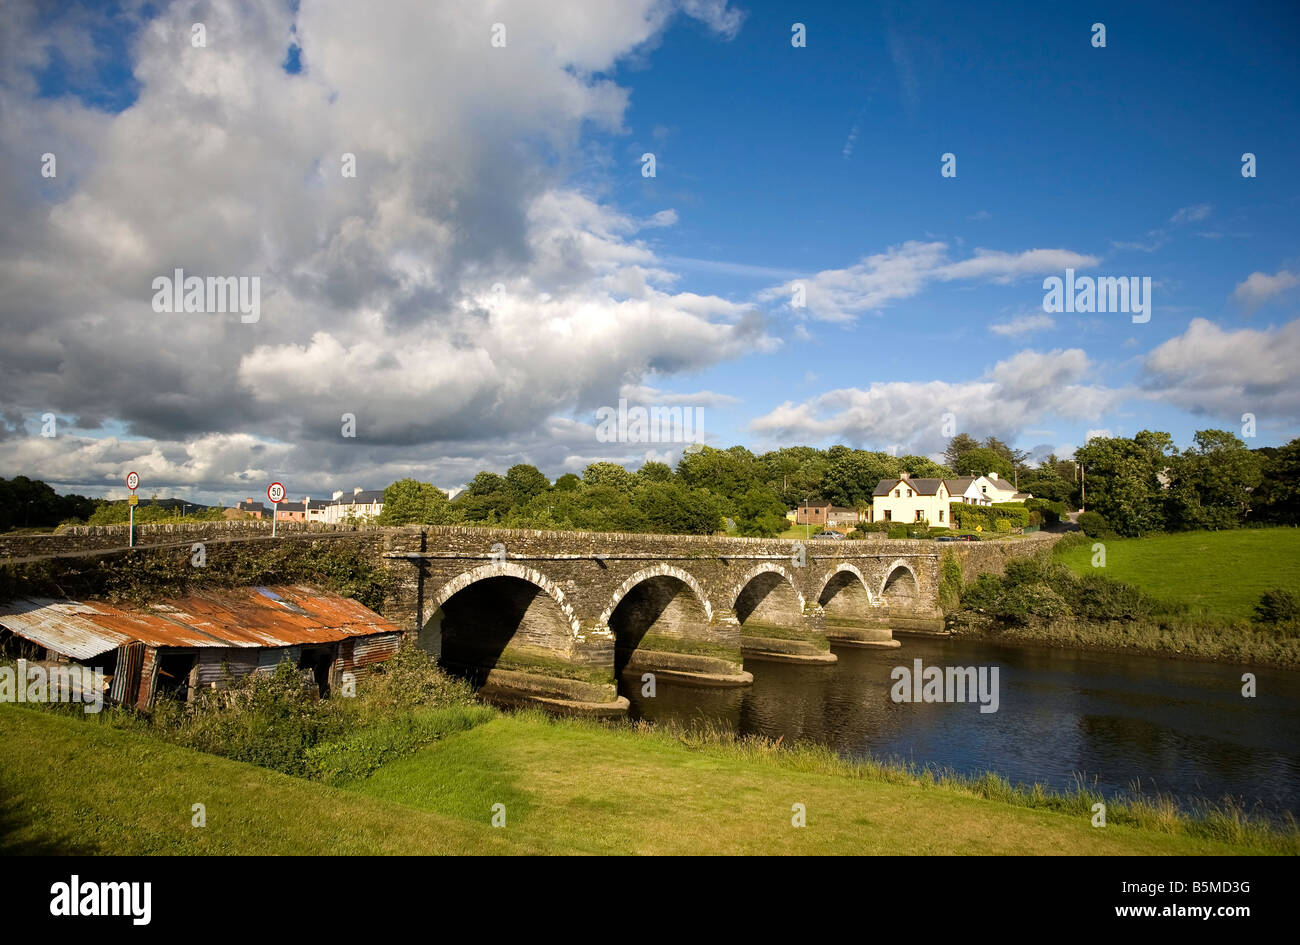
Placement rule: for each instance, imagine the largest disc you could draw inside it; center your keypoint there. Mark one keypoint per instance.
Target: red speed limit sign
(275, 493)
(132, 481)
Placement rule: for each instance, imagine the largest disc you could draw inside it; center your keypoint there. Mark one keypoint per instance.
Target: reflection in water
(1166, 725)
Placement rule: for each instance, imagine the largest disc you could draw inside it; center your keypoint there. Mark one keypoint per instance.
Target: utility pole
(807, 526)
(1083, 489)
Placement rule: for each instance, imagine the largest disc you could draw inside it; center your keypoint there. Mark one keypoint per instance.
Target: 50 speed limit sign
(275, 493)
(132, 481)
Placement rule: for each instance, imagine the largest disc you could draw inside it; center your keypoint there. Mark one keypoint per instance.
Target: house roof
(364, 497)
(919, 486)
(242, 617)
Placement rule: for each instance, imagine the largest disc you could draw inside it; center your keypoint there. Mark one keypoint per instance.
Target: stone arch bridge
(563, 616)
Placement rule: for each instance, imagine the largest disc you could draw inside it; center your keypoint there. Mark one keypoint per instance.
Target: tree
(852, 476)
(672, 509)
(608, 474)
(568, 483)
(1123, 479)
(1277, 499)
(523, 481)
(652, 471)
(728, 474)
(922, 467)
(1211, 484)
(411, 502)
(981, 461)
(760, 514)
(958, 446)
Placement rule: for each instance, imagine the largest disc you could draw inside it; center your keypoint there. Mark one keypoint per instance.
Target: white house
(360, 503)
(910, 501)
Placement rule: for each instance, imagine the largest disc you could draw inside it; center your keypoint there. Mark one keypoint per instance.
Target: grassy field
(76, 786)
(1219, 575)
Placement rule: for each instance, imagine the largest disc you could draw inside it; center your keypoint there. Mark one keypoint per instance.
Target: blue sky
(1058, 144)
(521, 167)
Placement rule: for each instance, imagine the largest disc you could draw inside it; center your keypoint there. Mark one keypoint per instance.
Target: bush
(949, 581)
(1277, 606)
(1049, 512)
(897, 531)
(264, 719)
(1094, 525)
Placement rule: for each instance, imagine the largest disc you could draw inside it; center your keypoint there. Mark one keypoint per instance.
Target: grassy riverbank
(1213, 576)
(1189, 594)
(80, 785)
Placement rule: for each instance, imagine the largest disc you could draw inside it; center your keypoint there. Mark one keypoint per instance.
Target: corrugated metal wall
(126, 677)
(241, 662)
(148, 678)
(358, 656)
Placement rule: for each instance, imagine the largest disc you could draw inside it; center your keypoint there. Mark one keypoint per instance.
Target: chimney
(338, 495)
(993, 475)
(904, 475)
(356, 491)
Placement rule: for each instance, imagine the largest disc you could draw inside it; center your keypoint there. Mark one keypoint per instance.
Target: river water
(1120, 721)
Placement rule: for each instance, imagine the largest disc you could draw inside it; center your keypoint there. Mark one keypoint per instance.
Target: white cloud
(1014, 395)
(1191, 214)
(1259, 287)
(377, 291)
(840, 295)
(1023, 325)
(1211, 371)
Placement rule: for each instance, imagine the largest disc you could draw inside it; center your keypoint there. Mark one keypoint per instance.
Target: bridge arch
(496, 570)
(498, 616)
(900, 582)
(766, 596)
(840, 579)
(646, 574)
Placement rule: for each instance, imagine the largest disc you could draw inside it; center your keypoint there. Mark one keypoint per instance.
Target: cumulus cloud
(841, 295)
(457, 295)
(1211, 371)
(1259, 287)
(1014, 395)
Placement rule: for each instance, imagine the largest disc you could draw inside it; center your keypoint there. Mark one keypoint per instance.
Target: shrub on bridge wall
(143, 575)
(950, 581)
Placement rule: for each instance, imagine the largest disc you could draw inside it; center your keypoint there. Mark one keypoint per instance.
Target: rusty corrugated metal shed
(236, 617)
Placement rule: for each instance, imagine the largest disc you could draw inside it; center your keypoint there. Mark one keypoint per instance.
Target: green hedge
(988, 517)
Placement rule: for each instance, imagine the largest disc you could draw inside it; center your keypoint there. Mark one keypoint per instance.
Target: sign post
(274, 492)
(132, 483)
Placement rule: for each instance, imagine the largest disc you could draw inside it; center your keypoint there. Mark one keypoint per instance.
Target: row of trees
(1144, 484)
(31, 503)
(1136, 485)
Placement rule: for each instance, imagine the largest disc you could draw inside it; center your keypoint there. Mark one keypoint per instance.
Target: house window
(920, 514)
(898, 493)
(909, 493)
(889, 516)
(941, 515)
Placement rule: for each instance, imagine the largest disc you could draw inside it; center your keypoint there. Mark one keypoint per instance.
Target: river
(1174, 726)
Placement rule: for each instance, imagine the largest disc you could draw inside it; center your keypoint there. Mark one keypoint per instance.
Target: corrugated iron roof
(234, 617)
